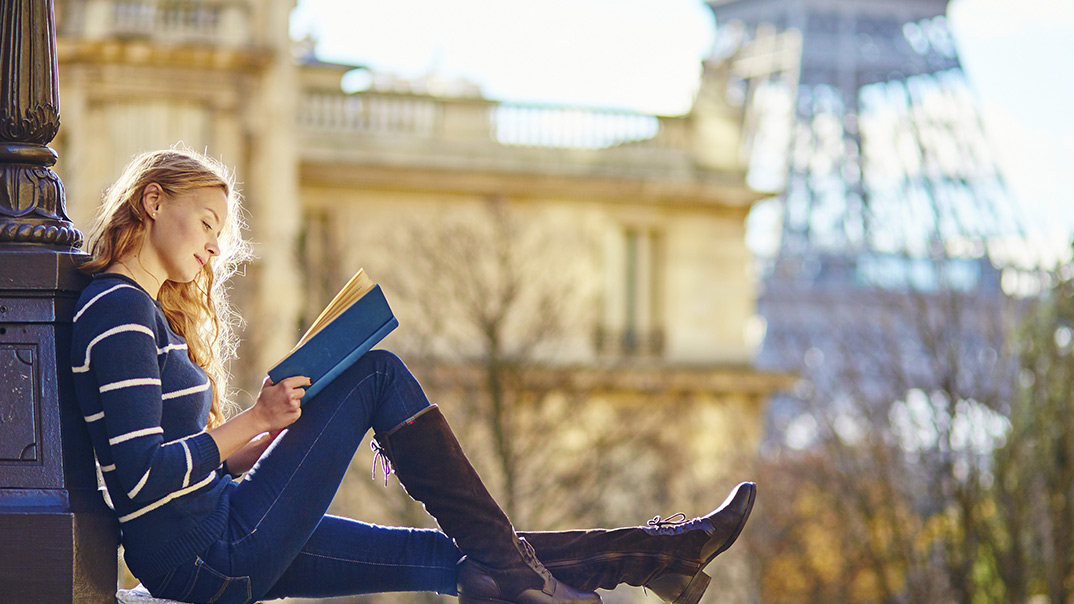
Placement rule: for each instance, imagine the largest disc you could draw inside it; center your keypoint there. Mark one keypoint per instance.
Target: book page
(358, 286)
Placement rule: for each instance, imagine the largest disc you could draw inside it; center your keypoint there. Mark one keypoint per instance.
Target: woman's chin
(185, 278)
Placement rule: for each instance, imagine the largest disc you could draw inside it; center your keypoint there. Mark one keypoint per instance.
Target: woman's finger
(298, 381)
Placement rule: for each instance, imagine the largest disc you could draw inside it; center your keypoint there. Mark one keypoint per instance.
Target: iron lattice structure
(858, 111)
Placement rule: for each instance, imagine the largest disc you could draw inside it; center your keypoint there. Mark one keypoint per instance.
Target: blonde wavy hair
(199, 310)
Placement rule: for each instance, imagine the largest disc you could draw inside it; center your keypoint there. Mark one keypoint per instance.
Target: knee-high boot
(498, 567)
(666, 558)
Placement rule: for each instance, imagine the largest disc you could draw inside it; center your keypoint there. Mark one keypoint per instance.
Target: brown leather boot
(497, 567)
(665, 557)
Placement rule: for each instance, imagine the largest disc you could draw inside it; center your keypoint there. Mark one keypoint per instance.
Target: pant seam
(388, 564)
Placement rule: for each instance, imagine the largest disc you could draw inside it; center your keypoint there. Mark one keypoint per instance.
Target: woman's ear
(151, 197)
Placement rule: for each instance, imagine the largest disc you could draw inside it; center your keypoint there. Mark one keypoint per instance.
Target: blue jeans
(280, 542)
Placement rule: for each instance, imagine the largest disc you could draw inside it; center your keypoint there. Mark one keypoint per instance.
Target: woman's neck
(132, 268)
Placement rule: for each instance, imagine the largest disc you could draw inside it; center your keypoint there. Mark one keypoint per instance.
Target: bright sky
(645, 55)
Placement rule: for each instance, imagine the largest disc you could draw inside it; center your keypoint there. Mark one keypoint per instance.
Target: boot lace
(676, 524)
(672, 520)
(529, 556)
(381, 459)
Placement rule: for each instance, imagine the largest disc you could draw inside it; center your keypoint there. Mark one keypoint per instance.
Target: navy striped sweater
(146, 405)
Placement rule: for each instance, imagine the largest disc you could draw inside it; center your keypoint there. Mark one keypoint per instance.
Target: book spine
(349, 360)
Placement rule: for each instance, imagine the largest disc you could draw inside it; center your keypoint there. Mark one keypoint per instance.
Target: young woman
(151, 333)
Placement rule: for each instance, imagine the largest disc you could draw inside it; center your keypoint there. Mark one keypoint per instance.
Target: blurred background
(641, 251)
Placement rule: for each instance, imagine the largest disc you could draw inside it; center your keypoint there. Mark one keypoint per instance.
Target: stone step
(139, 595)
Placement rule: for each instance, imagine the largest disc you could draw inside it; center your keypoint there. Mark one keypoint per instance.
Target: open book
(352, 323)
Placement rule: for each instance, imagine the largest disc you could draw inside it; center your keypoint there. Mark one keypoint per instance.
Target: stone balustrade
(219, 22)
(484, 121)
(407, 115)
(572, 128)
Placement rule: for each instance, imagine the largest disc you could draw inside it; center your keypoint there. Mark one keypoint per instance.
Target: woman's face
(183, 230)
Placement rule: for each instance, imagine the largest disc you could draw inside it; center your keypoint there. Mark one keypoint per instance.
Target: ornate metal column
(57, 539)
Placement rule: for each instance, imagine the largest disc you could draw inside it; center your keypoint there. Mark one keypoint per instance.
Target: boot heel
(694, 590)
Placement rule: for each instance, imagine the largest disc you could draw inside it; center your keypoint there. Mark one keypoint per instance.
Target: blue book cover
(345, 331)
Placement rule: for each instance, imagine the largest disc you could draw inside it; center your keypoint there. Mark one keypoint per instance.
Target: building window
(633, 322)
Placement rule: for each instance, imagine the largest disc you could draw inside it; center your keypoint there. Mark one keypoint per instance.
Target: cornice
(629, 379)
(715, 193)
(143, 52)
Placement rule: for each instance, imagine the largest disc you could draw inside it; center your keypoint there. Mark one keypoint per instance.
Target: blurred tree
(1035, 490)
(488, 302)
(884, 484)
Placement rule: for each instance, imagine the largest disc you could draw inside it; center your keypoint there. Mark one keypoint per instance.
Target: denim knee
(384, 360)
(398, 394)
(385, 365)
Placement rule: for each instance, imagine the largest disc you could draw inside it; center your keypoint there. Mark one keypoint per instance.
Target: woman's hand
(279, 405)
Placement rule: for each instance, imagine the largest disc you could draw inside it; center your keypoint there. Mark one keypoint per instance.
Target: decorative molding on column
(32, 204)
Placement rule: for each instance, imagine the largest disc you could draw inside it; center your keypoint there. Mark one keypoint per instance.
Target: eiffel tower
(857, 112)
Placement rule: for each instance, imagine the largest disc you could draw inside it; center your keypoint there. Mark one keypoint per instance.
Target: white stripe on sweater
(171, 347)
(189, 464)
(172, 442)
(185, 391)
(108, 498)
(92, 418)
(111, 468)
(129, 384)
(136, 434)
(141, 483)
(111, 332)
(98, 296)
(160, 502)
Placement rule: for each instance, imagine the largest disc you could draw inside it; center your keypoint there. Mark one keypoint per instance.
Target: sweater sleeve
(122, 357)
